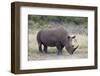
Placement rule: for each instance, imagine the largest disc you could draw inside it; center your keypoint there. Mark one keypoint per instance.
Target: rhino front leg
(59, 48)
(45, 49)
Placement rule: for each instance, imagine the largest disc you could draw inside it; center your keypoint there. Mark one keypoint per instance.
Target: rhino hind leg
(45, 49)
(40, 47)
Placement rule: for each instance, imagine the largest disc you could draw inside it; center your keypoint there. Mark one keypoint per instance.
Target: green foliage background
(41, 21)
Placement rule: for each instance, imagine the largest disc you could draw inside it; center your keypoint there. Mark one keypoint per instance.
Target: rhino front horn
(76, 48)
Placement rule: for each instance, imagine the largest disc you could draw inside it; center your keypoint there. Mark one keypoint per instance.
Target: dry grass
(33, 52)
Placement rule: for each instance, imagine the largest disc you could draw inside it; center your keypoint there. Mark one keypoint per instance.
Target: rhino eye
(68, 37)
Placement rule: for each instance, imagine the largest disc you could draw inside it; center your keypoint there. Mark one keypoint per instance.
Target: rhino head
(69, 46)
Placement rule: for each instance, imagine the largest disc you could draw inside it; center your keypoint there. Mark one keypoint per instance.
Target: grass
(33, 52)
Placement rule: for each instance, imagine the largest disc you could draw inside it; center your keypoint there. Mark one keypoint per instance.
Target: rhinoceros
(55, 37)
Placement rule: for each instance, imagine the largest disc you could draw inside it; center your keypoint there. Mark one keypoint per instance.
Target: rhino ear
(73, 37)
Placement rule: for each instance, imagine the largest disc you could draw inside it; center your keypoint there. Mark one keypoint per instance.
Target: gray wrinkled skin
(55, 37)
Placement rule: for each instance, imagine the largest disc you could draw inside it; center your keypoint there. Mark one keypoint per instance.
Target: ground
(34, 54)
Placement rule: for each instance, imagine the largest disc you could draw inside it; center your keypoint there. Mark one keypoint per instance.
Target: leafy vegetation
(39, 21)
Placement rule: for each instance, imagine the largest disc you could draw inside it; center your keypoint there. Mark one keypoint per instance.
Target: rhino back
(52, 36)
